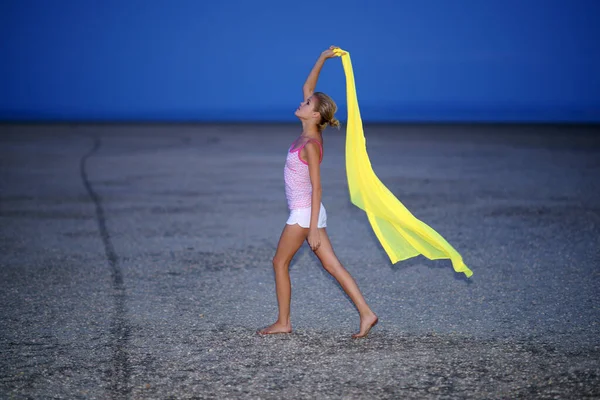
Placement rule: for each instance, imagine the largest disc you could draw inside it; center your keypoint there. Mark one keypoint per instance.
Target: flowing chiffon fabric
(400, 233)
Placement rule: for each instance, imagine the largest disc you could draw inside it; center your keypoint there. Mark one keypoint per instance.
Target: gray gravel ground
(135, 262)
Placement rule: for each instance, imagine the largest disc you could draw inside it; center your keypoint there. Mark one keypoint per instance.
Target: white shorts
(301, 216)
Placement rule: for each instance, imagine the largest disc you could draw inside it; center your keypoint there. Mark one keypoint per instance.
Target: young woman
(308, 218)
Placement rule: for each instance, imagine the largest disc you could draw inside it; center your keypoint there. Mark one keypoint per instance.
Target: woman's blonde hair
(327, 108)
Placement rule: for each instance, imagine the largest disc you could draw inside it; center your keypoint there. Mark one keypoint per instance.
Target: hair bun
(334, 122)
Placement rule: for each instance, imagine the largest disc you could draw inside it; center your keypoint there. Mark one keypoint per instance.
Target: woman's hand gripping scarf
(400, 233)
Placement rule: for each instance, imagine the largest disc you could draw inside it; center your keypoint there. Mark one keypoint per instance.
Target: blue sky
(432, 60)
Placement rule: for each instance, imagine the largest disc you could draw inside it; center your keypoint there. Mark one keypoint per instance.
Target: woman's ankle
(366, 313)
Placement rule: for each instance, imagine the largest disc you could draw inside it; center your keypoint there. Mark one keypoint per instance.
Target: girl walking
(308, 218)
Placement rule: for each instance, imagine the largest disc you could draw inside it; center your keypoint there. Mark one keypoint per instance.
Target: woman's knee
(333, 266)
(280, 263)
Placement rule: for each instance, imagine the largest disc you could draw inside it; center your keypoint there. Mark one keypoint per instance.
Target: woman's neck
(311, 134)
(310, 130)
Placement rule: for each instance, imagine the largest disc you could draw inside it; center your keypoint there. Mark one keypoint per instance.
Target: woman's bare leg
(290, 241)
(330, 262)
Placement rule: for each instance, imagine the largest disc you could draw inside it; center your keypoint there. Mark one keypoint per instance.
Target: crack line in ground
(120, 371)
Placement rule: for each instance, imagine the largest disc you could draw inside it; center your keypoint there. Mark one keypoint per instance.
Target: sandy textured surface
(135, 262)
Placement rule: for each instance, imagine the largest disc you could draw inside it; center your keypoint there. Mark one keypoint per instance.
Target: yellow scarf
(400, 233)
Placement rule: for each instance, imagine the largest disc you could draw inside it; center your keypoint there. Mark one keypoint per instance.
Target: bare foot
(366, 323)
(275, 328)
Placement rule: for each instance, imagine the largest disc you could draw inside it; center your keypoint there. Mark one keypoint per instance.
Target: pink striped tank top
(298, 189)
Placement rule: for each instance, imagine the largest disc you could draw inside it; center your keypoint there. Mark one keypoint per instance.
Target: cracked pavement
(135, 262)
